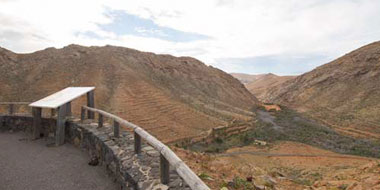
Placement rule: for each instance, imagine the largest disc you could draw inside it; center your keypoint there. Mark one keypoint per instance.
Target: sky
(247, 36)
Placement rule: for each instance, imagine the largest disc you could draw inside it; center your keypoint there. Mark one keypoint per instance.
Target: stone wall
(23, 123)
(115, 155)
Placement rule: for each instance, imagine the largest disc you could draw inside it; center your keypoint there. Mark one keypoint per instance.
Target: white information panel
(62, 97)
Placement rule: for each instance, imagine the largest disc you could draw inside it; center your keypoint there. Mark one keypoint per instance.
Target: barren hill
(172, 97)
(259, 84)
(344, 92)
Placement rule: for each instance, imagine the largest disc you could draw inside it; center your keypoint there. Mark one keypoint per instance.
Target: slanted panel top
(62, 97)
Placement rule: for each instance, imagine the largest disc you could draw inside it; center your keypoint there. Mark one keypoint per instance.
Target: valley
(343, 93)
(286, 150)
(191, 95)
(312, 131)
(288, 125)
(286, 165)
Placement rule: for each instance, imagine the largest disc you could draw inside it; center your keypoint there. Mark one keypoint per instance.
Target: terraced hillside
(344, 93)
(172, 97)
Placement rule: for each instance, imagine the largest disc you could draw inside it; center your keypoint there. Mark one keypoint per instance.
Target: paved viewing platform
(26, 164)
(124, 155)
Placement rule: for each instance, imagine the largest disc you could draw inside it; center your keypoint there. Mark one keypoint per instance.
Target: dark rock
(94, 161)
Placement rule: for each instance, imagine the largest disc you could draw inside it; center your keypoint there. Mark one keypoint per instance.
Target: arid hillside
(172, 97)
(258, 85)
(344, 93)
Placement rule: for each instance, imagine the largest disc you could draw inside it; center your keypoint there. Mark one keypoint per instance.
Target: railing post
(164, 170)
(91, 104)
(52, 112)
(82, 113)
(116, 129)
(11, 109)
(137, 143)
(100, 121)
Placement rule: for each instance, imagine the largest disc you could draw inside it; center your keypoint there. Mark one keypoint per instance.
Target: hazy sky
(250, 36)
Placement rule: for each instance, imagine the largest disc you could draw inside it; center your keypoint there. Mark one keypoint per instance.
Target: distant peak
(271, 75)
(73, 46)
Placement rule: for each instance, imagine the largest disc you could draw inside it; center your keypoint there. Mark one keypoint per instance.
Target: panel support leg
(36, 122)
(68, 109)
(60, 131)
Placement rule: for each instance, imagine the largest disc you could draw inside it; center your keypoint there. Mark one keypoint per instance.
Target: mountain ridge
(172, 97)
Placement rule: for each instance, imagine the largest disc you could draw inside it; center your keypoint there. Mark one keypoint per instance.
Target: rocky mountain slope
(344, 93)
(172, 97)
(259, 84)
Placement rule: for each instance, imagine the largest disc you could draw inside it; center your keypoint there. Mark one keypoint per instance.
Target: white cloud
(238, 29)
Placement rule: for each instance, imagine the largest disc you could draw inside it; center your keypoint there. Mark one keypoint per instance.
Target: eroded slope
(172, 97)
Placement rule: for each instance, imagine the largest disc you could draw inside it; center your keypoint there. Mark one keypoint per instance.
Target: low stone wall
(116, 155)
(23, 123)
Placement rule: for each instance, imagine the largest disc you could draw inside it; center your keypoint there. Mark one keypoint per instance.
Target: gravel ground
(31, 165)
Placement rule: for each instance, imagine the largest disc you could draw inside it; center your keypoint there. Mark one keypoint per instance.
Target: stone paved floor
(31, 165)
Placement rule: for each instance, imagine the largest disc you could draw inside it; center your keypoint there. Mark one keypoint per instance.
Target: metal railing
(167, 156)
(12, 105)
